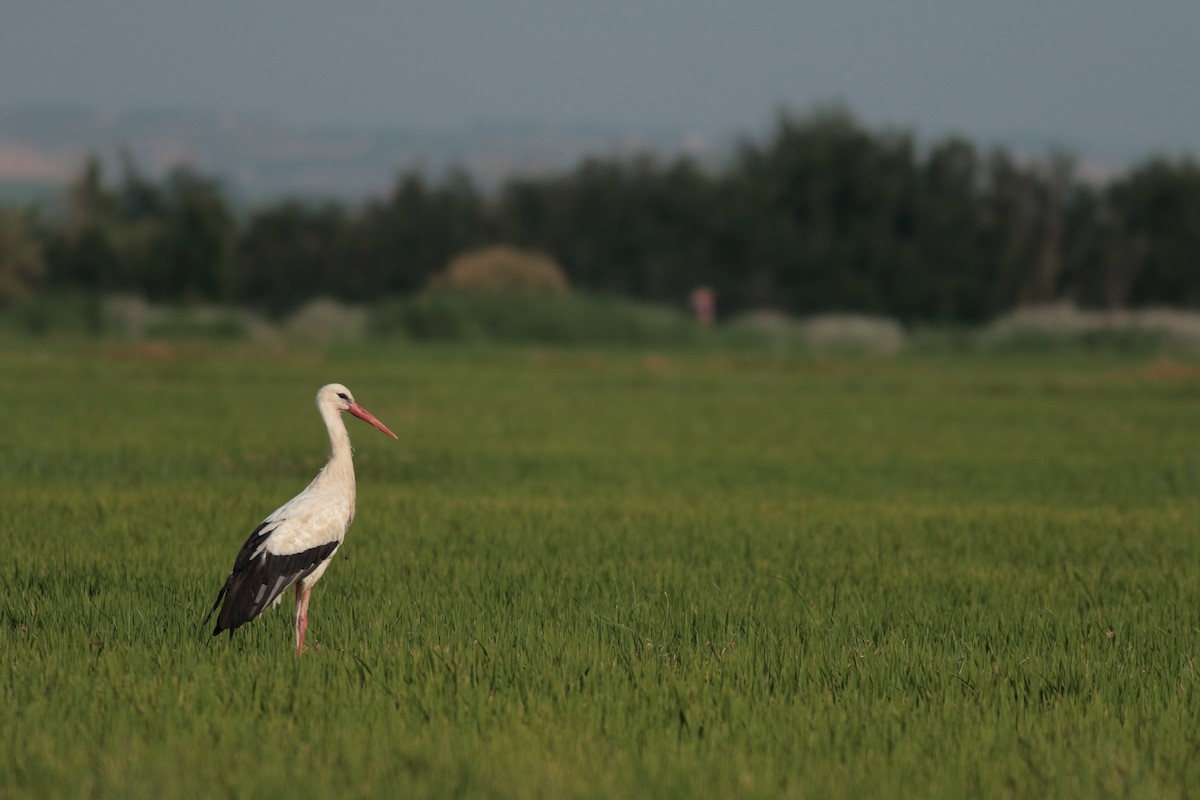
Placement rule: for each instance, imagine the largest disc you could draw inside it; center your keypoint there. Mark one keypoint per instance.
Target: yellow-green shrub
(501, 268)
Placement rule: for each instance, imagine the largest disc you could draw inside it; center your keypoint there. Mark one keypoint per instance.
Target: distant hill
(260, 157)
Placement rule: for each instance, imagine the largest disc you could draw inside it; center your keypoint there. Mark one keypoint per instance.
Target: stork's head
(337, 398)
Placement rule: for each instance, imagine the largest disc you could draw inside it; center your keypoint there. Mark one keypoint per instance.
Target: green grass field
(607, 574)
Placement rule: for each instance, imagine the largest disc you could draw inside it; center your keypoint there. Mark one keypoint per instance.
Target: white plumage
(294, 544)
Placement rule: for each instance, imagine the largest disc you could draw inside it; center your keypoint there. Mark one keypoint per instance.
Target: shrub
(770, 329)
(201, 323)
(326, 320)
(132, 317)
(502, 269)
(22, 265)
(1062, 327)
(569, 319)
(854, 333)
(54, 313)
(129, 315)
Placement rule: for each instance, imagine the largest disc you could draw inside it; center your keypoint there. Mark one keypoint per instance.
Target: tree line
(821, 214)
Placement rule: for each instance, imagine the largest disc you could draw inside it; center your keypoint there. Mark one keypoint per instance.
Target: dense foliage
(821, 215)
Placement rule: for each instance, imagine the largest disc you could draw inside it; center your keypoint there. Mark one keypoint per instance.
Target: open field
(603, 574)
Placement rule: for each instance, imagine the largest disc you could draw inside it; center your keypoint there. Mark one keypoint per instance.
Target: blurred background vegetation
(819, 216)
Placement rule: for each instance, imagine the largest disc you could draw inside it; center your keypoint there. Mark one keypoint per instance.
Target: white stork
(296, 542)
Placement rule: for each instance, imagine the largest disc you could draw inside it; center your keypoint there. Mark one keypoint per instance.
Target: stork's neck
(341, 456)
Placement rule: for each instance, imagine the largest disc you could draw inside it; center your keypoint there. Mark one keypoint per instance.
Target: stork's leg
(302, 592)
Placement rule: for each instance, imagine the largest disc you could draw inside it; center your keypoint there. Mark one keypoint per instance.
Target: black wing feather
(260, 577)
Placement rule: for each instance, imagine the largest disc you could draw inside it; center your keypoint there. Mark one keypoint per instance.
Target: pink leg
(302, 593)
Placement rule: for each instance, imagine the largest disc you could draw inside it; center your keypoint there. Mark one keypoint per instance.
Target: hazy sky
(1099, 75)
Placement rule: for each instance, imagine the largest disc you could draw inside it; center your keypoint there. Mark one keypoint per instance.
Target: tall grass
(584, 573)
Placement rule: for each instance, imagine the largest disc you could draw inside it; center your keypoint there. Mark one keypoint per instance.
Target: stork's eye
(343, 396)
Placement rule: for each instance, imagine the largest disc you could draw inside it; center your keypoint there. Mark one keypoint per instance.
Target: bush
(132, 317)
(851, 333)
(773, 330)
(327, 320)
(54, 313)
(1064, 327)
(129, 315)
(502, 269)
(203, 323)
(22, 265)
(569, 319)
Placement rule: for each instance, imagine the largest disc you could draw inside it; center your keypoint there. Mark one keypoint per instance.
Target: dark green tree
(290, 252)
(1156, 212)
(397, 243)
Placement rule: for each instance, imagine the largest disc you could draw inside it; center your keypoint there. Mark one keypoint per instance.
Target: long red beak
(367, 416)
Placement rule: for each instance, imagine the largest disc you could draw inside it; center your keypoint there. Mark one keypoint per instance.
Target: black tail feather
(208, 616)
